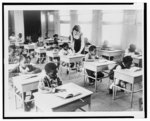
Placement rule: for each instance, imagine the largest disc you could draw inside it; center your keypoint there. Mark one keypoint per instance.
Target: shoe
(27, 107)
(110, 91)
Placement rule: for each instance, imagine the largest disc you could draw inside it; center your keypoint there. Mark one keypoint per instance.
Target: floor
(101, 100)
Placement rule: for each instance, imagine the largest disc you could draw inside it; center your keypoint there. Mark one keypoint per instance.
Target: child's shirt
(63, 52)
(46, 84)
(88, 56)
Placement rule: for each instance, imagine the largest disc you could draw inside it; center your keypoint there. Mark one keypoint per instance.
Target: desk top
(137, 56)
(46, 102)
(100, 63)
(131, 72)
(111, 51)
(73, 56)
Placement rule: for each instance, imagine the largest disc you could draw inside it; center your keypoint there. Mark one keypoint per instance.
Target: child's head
(20, 35)
(92, 50)
(13, 34)
(55, 36)
(105, 42)
(51, 70)
(132, 48)
(24, 61)
(127, 60)
(65, 46)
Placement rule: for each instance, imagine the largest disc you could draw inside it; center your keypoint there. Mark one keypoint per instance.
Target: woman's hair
(50, 67)
(76, 28)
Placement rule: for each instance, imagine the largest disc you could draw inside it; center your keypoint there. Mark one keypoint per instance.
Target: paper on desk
(134, 69)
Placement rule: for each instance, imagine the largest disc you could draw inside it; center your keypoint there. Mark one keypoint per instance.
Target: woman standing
(77, 40)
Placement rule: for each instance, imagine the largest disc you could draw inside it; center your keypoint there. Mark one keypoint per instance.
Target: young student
(105, 46)
(125, 64)
(131, 50)
(20, 39)
(12, 37)
(13, 58)
(49, 81)
(46, 35)
(90, 57)
(64, 52)
(55, 36)
(28, 40)
(55, 49)
(25, 67)
(41, 43)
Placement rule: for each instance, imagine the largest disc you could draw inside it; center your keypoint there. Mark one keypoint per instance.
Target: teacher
(77, 41)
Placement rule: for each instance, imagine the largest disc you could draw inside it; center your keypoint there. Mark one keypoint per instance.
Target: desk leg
(15, 96)
(89, 106)
(84, 77)
(132, 90)
(23, 99)
(114, 89)
(95, 81)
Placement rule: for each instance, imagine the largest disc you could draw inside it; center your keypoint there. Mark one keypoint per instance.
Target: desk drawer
(73, 105)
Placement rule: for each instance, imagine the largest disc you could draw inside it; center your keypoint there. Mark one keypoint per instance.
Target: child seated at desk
(125, 64)
(105, 46)
(41, 43)
(90, 57)
(55, 49)
(13, 58)
(64, 52)
(131, 50)
(25, 67)
(49, 81)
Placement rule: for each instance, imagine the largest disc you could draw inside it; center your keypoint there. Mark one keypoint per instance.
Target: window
(112, 16)
(84, 16)
(64, 22)
(112, 33)
(112, 27)
(64, 29)
(64, 15)
(85, 22)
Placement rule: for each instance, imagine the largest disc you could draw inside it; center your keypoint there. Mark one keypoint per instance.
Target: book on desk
(67, 94)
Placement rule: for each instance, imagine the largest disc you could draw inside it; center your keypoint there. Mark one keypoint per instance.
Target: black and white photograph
(74, 60)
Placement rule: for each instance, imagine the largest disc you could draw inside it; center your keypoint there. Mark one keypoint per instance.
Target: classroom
(74, 58)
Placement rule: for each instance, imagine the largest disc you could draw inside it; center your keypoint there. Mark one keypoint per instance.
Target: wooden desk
(24, 84)
(96, 66)
(29, 47)
(52, 54)
(49, 41)
(137, 59)
(110, 53)
(39, 51)
(51, 102)
(19, 44)
(130, 77)
(77, 58)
